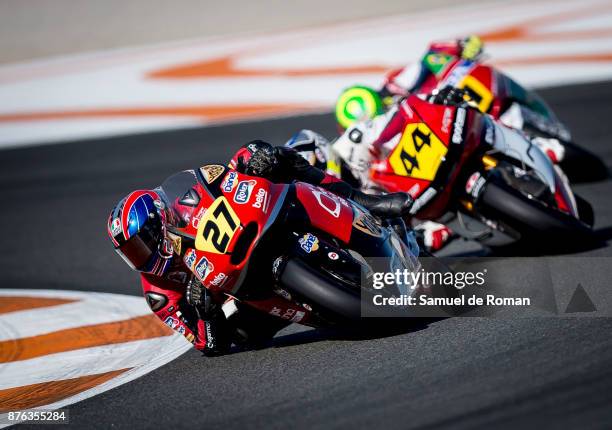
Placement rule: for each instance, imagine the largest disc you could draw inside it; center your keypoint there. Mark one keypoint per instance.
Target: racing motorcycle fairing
(441, 148)
(238, 227)
(427, 158)
(494, 93)
(227, 217)
(327, 211)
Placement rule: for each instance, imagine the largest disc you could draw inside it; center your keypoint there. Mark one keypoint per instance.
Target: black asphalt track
(454, 373)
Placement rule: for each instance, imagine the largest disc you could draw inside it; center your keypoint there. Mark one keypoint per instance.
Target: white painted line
(92, 308)
(255, 70)
(84, 362)
(142, 356)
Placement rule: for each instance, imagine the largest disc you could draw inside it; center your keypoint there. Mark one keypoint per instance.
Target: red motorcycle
(293, 251)
(488, 180)
(494, 93)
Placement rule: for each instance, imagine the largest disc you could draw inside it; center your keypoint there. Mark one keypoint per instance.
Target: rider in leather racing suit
(420, 78)
(140, 228)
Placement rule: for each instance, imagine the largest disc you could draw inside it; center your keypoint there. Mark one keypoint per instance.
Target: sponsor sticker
(116, 227)
(156, 301)
(309, 243)
(261, 200)
(195, 220)
(333, 256)
(203, 268)
(446, 119)
(218, 280)
(211, 172)
(469, 185)
(299, 316)
(474, 184)
(243, 192)
(210, 339)
(176, 242)
(229, 182)
(329, 201)
(283, 293)
(190, 258)
(171, 322)
(458, 129)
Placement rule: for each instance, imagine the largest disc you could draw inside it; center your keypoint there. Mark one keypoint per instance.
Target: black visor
(139, 249)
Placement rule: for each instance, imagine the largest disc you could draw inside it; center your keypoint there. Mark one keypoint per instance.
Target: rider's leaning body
(140, 228)
(422, 77)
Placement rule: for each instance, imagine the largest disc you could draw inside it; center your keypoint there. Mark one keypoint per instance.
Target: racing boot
(391, 205)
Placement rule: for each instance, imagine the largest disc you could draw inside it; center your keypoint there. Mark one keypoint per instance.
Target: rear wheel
(535, 222)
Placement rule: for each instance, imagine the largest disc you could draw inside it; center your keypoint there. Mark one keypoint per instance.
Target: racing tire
(585, 211)
(535, 222)
(322, 292)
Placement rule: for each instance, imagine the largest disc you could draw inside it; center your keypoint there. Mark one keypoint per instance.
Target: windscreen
(180, 196)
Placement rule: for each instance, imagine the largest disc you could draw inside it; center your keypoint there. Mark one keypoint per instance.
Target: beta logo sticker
(190, 258)
(229, 182)
(243, 192)
(218, 280)
(309, 243)
(419, 153)
(203, 268)
(261, 198)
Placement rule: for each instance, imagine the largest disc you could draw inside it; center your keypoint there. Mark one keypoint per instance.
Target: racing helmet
(357, 103)
(137, 228)
(312, 146)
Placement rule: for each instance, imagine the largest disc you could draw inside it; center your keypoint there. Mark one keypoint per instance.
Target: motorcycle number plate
(418, 154)
(217, 227)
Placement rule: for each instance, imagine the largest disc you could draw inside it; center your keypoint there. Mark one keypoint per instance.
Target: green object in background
(436, 62)
(357, 103)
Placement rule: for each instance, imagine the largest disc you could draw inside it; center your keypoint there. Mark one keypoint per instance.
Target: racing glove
(450, 96)
(214, 334)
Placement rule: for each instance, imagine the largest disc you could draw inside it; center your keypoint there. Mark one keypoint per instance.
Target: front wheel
(328, 296)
